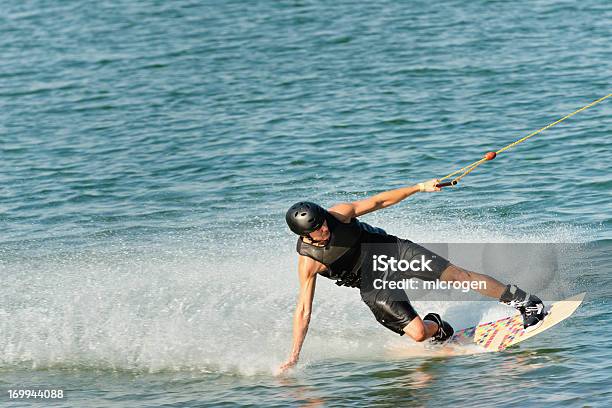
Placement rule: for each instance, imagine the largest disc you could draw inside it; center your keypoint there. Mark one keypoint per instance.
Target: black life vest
(342, 254)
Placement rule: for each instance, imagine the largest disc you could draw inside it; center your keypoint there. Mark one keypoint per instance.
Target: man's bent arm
(307, 271)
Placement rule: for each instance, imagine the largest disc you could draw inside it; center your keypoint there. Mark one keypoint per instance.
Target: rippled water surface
(149, 150)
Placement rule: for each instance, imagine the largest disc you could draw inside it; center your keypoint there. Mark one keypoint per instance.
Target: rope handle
(446, 184)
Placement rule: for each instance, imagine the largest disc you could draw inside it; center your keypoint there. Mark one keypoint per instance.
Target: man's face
(322, 234)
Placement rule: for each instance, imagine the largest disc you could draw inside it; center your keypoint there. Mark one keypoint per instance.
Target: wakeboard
(492, 336)
(506, 332)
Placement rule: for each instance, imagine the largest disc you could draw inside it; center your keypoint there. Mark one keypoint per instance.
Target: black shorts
(391, 307)
(388, 310)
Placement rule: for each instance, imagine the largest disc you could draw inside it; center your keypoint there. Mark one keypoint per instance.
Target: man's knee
(416, 330)
(454, 273)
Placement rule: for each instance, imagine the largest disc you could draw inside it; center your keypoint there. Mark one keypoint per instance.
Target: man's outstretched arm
(307, 271)
(382, 200)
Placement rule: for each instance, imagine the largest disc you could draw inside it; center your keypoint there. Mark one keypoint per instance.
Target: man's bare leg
(492, 288)
(530, 306)
(420, 330)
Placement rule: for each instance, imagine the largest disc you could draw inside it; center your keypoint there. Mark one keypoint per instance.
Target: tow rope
(464, 171)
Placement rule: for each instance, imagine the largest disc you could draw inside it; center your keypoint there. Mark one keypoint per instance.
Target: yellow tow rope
(464, 171)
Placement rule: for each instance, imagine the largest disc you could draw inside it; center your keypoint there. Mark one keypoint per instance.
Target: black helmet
(305, 217)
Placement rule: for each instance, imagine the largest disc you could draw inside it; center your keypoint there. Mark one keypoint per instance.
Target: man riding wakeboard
(335, 244)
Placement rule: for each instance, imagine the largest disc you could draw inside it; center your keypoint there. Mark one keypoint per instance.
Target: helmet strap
(312, 240)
